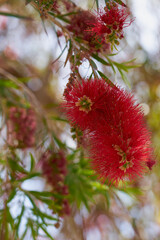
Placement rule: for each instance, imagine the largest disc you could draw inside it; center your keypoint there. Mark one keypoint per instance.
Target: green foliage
(38, 208)
(97, 4)
(15, 171)
(7, 14)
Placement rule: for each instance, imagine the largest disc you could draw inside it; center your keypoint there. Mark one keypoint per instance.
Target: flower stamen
(126, 163)
(84, 104)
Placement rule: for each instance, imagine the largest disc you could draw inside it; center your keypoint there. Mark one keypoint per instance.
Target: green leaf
(60, 54)
(36, 210)
(107, 198)
(15, 15)
(125, 65)
(105, 78)
(32, 162)
(44, 27)
(99, 59)
(113, 54)
(45, 231)
(132, 191)
(94, 66)
(34, 228)
(24, 79)
(99, 186)
(72, 156)
(84, 192)
(68, 14)
(41, 194)
(121, 3)
(59, 17)
(15, 166)
(59, 142)
(69, 55)
(84, 200)
(97, 4)
(111, 64)
(12, 195)
(7, 83)
(9, 219)
(44, 215)
(59, 119)
(124, 78)
(87, 172)
(20, 218)
(29, 176)
(90, 76)
(25, 232)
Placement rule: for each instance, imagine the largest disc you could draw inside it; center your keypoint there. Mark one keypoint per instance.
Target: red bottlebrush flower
(119, 139)
(120, 147)
(84, 103)
(111, 22)
(54, 169)
(80, 25)
(21, 127)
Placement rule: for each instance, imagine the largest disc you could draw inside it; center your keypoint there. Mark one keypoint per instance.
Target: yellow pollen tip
(126, 163)
(84, 104)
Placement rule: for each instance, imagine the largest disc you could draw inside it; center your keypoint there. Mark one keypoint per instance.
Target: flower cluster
(54, 169)
(111, 22)
(21, 127)
(119, 142)
(81, 25)
(84, 102)
(103, 31)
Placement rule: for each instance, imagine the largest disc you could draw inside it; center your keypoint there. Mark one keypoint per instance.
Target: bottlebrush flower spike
(111, 22)
(21, 127)
(119, 142)
(120, 147)
(54, 169)
(80, 25)
(84, 104)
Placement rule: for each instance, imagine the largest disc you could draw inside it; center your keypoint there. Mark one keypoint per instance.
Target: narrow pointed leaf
(120, 2)
(99, 59)
(7, 14)
(45, 231)
(32, 162)
(97, 4)
(105, 78)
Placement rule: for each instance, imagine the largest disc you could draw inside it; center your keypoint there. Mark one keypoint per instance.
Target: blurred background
(28, 50)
